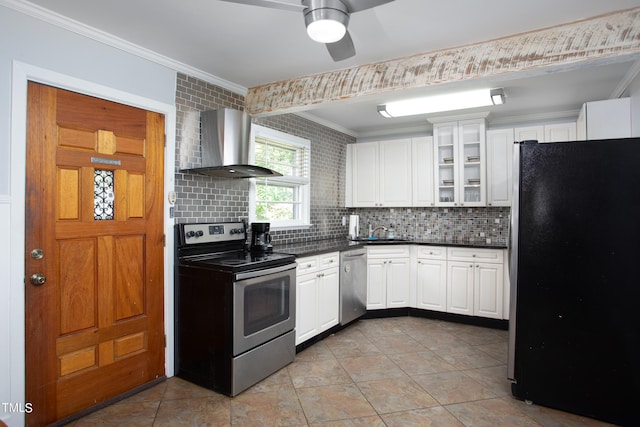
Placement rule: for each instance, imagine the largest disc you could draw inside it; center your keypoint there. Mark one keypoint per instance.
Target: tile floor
(401, 371)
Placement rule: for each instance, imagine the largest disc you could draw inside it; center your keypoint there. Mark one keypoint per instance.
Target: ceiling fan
(326, 20)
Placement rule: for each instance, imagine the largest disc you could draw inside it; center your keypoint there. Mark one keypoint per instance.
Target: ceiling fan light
(326, 20)
(326, 31)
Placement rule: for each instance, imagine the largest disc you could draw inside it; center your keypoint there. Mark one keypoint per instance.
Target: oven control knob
(237, 231)
(190, 234)
(199, 233)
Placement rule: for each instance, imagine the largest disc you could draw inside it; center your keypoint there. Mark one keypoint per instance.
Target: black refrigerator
(574, 323)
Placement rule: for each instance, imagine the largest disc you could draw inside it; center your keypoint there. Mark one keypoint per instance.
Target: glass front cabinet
(459, 156)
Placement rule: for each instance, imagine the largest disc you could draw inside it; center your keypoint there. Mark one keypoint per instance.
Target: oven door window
(265, 304)
(264, 308)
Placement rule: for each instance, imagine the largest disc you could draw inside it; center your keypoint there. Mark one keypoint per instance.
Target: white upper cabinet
(459, 158)
(381, 174)
(365, 174)
(606, 119)
(556, 132)
(529, 133)
(560, 132)
(422, 168)
(499, 167)
(395, 173)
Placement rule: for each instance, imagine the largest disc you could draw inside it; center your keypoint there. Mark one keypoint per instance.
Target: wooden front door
(94, 232)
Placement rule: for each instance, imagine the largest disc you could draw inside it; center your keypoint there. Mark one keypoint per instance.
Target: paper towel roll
(354, 226)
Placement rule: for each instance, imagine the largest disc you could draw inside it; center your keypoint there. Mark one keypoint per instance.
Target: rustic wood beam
(608, 36)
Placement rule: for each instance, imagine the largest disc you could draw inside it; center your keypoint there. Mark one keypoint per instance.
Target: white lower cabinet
(388, 276)
(317, 295)
(475, 282)
(431, 278)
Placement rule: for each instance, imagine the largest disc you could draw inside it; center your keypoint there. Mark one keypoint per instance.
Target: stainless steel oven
(235, 310)
(264, 306)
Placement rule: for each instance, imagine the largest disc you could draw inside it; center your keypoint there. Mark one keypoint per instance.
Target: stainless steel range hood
(225, 145)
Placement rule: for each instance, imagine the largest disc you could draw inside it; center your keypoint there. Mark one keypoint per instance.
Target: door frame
(22, 73)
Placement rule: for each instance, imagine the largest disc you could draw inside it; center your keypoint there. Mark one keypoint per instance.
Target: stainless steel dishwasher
(353, 284)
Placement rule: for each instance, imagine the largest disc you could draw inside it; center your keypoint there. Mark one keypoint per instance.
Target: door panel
(95, 328)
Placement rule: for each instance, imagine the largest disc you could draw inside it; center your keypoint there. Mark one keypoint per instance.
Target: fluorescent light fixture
(326, 20)
(497, 96)
(439, 103)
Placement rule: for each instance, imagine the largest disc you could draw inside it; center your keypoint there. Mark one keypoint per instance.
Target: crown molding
(108, 39)
(326, 123)
(633, 71)
(532, 118)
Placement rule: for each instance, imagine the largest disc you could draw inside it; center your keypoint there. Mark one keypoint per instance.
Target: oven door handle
(260, 273)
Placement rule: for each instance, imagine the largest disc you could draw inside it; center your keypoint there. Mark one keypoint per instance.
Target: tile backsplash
(202, 198)
(447, 225)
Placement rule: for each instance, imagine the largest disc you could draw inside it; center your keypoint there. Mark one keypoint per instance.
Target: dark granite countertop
(335, 245)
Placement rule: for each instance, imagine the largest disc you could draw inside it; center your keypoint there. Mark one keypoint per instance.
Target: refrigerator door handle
(513, 262)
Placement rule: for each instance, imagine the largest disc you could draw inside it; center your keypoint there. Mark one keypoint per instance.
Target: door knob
(37, 254)
(37, 279)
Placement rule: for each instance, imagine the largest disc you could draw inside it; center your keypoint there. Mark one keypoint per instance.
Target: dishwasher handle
(354, 255)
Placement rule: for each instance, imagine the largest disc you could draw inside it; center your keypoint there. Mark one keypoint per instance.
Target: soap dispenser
(391, 233)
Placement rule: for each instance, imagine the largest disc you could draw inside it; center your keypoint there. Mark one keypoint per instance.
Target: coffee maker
(260, 237)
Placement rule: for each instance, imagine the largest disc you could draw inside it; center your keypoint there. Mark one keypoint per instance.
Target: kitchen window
(284, 200)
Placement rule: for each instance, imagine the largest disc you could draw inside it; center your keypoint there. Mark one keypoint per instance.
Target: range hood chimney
(225, 145)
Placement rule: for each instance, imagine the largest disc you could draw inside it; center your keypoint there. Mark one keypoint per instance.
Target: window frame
(302, 185)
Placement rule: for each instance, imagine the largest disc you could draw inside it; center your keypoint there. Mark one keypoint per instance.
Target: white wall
(31, 48)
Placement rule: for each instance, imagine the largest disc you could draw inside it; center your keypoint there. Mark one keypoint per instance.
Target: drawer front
(329, 260)
(389, 251)
(307, 265)
(475, 255)
(432, 252)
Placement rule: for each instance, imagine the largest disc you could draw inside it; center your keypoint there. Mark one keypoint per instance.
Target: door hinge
(165, 340)
(165, 140)
(164, 240)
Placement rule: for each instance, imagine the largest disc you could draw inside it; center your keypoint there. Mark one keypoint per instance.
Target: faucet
(371, 231)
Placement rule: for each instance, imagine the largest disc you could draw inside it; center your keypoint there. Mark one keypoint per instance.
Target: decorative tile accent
(103, 183)
(446, 225)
